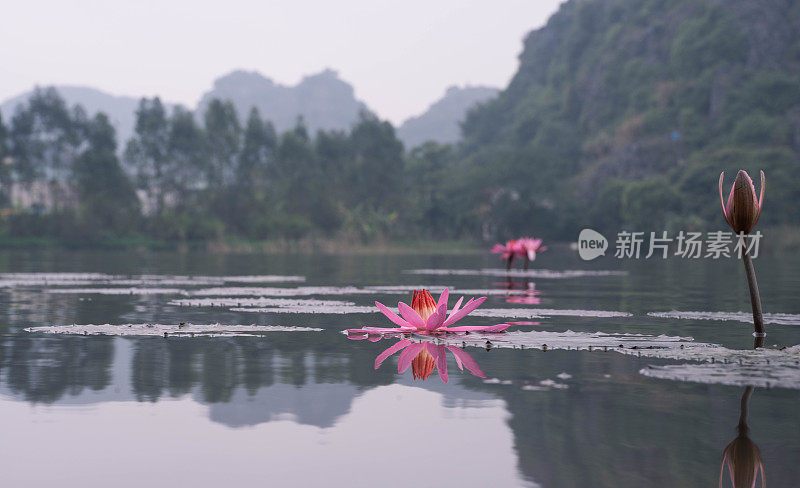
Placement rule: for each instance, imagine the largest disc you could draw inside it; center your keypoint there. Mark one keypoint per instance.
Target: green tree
(427, 170)
(223, 143)
(186, 155)
(107, 201)
(375, 174)
(5, 162)
(45, 140)
(147, 154)
(258, 152)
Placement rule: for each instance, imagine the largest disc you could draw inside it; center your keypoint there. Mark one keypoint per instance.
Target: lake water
(297, 406)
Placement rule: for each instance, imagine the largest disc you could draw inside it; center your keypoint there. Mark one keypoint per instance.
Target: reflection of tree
(625, 431)
(220, 363)
(44, 369)
(148, 368)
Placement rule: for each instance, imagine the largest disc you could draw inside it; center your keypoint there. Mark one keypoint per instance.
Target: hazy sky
(400, 55)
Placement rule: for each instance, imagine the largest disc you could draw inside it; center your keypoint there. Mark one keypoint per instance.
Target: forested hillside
(621, 116)
(623, 113)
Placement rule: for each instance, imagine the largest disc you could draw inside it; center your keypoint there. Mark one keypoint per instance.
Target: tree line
(187, 177)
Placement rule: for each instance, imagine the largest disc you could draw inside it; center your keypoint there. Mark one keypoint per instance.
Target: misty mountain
(323, 100)
(442, 121)
(121, 110)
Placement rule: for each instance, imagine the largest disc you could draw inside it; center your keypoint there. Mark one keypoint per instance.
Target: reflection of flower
(427, 316)
(424, 357)
(742, 456)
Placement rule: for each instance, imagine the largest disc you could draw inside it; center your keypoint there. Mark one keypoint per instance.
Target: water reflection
(425, 357)
(742, 456)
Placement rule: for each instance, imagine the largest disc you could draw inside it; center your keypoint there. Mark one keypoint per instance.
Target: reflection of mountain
(315, 404)
(245, 381)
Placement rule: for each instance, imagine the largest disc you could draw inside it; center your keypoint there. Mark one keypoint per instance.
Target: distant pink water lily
(529, 247)
(430, 317)
(424, 357)
(523, 248)
(507, 251)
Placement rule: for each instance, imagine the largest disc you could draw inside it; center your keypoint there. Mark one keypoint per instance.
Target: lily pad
(531, 273)
(746, 317)
(167, 330)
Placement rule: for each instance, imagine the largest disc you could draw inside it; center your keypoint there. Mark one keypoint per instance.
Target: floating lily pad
(538, 313)
(777, 373)
(258, 302)
(118, 291)
(531, 273)
(310, 309)
(182, 330)
(746, 317)
(278, 292)
(11, 280)
(713, 363)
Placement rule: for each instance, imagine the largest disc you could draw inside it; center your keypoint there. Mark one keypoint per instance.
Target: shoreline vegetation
(777, 240)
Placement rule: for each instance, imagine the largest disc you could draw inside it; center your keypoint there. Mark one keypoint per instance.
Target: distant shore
(776, 240)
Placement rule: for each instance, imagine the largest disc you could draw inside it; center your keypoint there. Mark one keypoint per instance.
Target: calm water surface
(308, 408)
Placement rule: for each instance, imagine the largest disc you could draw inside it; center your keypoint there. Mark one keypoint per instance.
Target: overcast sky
(400, 55)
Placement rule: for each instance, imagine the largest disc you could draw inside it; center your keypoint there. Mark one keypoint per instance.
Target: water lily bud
(743, 207)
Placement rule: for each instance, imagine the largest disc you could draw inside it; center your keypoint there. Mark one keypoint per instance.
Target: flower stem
(744, 410)
(755, 297)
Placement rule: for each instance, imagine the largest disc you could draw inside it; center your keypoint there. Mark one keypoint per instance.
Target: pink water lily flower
(508, 251)
(424, 357)
(528, 247)
(429, 317)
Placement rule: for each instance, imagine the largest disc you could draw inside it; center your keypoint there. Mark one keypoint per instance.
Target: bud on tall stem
(742, 212)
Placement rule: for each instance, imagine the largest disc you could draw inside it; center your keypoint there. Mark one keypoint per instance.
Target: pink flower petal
(391, 315)
(408, 355)
(463, 358)
(457, 306)
(434, 321)
(722, 199)
(440, 356)
(469, 307)
(411, 315)
(443, 299)
(391, 350)
(761, 197)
